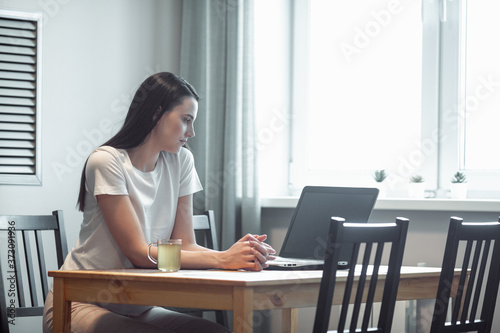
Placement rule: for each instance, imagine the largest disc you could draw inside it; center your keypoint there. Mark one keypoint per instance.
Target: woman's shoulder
(182, 156)
(185, 153)
(107, 154)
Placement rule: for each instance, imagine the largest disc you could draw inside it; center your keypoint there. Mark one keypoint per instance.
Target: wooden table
(239, 291)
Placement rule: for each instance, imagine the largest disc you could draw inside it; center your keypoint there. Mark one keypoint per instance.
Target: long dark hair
(158, 94)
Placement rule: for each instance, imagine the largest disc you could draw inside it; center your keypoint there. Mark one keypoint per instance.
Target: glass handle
(149, 253)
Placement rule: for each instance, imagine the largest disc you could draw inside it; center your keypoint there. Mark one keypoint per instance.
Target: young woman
(138, 188)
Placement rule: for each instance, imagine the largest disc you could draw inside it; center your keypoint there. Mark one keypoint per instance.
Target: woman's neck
(142, 158)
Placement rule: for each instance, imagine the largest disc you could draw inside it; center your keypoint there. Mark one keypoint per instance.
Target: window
(410, 87)
(363, 81)
(481, 95)
(20, 46)
(482, 73)
(470, 97)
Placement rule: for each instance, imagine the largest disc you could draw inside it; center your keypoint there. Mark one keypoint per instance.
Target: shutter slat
(19, 47)
(16, 58)
(11, 109)
(30, 34)
(17, 24)
(17, 144)
(25, 93)
(4, 152)
(17, 84)
(17, 41)
(22, 119)
(28, 136)
(14, 67)
(17, 76)
(17, 101)
(16, 161)
(17, 50)
(16, 169)
(20, 127)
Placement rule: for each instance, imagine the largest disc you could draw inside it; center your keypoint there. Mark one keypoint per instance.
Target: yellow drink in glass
(169, 255)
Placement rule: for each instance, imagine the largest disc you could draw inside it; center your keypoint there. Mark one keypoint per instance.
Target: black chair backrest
(204, 227)
(206, 235)
(368, 241)
(30, 267)
(475, 249)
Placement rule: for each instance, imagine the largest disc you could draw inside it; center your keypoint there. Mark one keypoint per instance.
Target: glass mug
(169, 254)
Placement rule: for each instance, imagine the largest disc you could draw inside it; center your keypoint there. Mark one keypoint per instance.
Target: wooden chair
(27, 265)
(368, 242)
(206, 235)
(474, 305)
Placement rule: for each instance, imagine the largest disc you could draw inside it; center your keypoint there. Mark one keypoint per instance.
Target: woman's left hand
(262, 251)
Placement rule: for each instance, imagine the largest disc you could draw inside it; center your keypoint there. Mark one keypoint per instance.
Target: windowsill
(466, 205)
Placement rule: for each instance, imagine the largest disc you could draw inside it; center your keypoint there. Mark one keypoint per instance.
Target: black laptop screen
(307, 234)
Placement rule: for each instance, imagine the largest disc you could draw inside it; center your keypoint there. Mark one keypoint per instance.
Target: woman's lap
(91, 318)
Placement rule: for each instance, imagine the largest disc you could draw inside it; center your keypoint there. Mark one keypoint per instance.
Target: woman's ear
(157, 113)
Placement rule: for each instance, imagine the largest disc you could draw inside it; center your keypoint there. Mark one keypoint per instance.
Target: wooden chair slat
(41, 262)
(19, 273)
(30, 268)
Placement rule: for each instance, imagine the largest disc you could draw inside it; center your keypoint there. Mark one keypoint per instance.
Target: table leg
(61, 309)
(243, 310)
(289, 320)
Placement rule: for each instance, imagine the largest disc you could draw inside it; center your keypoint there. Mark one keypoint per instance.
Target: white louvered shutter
(19, 98)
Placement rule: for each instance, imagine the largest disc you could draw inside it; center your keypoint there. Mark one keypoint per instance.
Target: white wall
(94, 55)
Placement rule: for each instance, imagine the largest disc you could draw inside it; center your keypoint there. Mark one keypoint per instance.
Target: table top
(227, 277)
(239, 291)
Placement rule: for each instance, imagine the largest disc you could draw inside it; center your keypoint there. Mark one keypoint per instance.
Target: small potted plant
(458, 186)
(416, 187)
(379, 176)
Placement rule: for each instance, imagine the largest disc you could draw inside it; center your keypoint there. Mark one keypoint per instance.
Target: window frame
(481, 183)
(360, 178)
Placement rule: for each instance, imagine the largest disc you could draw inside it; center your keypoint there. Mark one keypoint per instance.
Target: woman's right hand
(248, 253)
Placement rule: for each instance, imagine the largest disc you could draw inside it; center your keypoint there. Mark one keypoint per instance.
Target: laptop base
(341, 265)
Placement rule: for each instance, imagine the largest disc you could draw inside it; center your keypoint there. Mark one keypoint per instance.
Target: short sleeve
(104, 173)
(189, 182)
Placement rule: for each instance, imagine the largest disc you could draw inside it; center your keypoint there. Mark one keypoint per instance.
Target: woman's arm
(124, 226)
(248, 253)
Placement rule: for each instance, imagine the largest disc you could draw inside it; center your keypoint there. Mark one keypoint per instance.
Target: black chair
(205, 230)
(24, 232)
(367, 242)
(476, 293)
(206, 235)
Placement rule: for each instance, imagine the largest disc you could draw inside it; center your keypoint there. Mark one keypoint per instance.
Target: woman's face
(175, 127)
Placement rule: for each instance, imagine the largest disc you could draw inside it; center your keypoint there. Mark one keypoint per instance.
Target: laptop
(305, 242)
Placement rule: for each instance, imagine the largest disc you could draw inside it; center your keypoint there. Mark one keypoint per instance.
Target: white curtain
(217, 59)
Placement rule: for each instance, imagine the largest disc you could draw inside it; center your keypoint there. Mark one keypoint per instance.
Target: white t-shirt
(154, 196)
